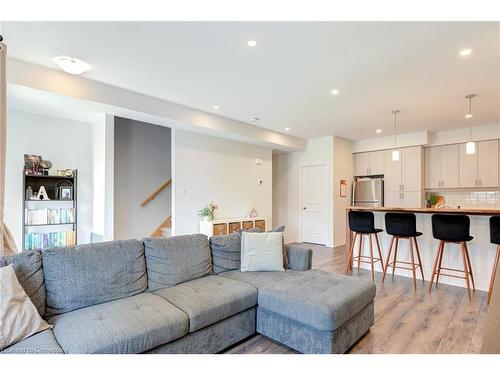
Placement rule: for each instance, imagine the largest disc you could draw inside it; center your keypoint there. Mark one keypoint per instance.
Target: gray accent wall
(142, 158)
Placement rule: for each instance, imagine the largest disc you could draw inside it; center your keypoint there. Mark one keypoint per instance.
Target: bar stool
(494, 238)
(362, 223)
(403, 226)
(452, 229)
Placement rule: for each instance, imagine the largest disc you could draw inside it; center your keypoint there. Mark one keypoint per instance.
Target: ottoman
(316, 312)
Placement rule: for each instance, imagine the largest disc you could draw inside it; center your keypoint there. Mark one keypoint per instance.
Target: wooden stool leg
(439, 265)
(470, 266)
(440, 247)
(466, 269)
(419, 259)
(492, 280)
(360, 250)
(349, 257)
(388, 258)
(395, 256)
(371, 257)
(379, 251)
(413, 264)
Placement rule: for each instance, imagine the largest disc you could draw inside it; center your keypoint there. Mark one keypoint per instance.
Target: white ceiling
(286, 80)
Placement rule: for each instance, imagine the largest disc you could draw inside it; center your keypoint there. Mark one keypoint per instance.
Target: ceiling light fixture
(395, 152)
(470, 147)
(335, 92)
(465, 52)
(215, 107)
(287, 129)
(252, 43)
(378, 131)
(71, 65)
(254, 119)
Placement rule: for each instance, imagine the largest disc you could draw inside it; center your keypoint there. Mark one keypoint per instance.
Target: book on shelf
(49, 216)
(42, 241)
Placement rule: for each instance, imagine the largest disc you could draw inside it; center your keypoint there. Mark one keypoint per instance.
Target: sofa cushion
(322, 300)
(86, 275)
(28, 268)
(261, 252)
(259, 279)
(171, 261)
(42, 343)
(210, 299)
(129, 325)
(226, 252)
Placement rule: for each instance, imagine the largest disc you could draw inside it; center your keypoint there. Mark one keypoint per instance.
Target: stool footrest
(367, 257)
(394, 265)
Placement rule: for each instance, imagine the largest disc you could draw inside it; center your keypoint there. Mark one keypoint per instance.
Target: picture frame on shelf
(66, 193)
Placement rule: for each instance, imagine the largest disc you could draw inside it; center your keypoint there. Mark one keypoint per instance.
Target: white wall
(207, 168)
(142, 163)
(286, 185)
(65, 143)
(343, 168)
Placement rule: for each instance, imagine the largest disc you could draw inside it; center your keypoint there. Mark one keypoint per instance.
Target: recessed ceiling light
(335, 92)
(287, 129)
(252, 43)
(465, 52)
(71, 65)
(215, 107)
(254, 119)
(378, 131)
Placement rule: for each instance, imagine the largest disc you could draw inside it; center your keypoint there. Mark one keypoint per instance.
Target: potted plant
(432, 200)
(208, 212)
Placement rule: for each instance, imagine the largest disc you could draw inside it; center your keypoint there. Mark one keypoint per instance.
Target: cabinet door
(392, 199)
(449, 166)
(412, 199)
(467, 168)
(433, 167)
(487, 161)
(361, 164)
(376, 162)
(411, 169)
(392, 172)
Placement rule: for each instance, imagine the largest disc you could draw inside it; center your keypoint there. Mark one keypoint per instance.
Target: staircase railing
(156, 192)
(167, 223)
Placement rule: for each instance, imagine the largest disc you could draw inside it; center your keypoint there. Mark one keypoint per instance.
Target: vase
(206, 218)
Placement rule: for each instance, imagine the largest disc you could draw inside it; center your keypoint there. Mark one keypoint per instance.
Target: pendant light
(470, 147)
(395, 152)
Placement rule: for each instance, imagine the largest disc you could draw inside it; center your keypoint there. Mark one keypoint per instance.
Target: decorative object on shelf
(42, 194)
(29, 193)
(395, 152)
(68, 172)
(208, 212)
(64, 190)
(253, 213)
(32, 164)
(45, 165)
(470, 147)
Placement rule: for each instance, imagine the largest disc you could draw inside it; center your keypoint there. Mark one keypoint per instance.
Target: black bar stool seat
(403, 226)
(362, 223)
(494, 239)
(452, 229)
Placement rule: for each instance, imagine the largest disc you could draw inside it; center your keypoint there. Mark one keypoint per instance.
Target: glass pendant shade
(470, 148)
(395, 155)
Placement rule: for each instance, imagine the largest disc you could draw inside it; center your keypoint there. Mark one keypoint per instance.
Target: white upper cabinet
(481, 168)
(411, 169)
(369, 163)
(441, 167)
(487, 159)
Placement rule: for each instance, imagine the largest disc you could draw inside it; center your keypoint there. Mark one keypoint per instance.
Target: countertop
(464, 211)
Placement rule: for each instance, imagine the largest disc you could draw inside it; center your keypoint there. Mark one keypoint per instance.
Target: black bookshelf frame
(49, 182)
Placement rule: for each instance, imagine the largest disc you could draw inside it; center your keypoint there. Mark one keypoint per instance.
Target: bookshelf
(53, 222)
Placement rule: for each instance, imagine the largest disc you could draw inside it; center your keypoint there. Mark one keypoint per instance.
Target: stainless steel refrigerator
(368, 192)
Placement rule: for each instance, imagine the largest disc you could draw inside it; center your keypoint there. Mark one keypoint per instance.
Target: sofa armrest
(299, 257)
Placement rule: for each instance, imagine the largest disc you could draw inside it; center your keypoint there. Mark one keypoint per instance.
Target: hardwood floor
(405, 321)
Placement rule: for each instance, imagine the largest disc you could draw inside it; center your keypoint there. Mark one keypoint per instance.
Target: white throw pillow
(18, 316)
(262, 251)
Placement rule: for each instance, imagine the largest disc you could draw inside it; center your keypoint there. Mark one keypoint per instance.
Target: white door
(392, 172)
(487, 154)
(449, 162)
(468, 168)
(433, 167)
(411, 169)
(314, 204)
(376, 162)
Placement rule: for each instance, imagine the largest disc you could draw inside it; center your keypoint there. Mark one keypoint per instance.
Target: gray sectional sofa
(185, 294)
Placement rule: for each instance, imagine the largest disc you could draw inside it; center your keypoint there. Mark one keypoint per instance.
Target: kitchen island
(482, 252)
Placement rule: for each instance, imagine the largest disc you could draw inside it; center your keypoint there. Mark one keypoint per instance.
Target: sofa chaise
(182, 295)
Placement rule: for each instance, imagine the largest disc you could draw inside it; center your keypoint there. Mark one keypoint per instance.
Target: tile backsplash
(471, 199)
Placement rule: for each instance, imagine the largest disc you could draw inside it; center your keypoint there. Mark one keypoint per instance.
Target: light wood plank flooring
(405, 321)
